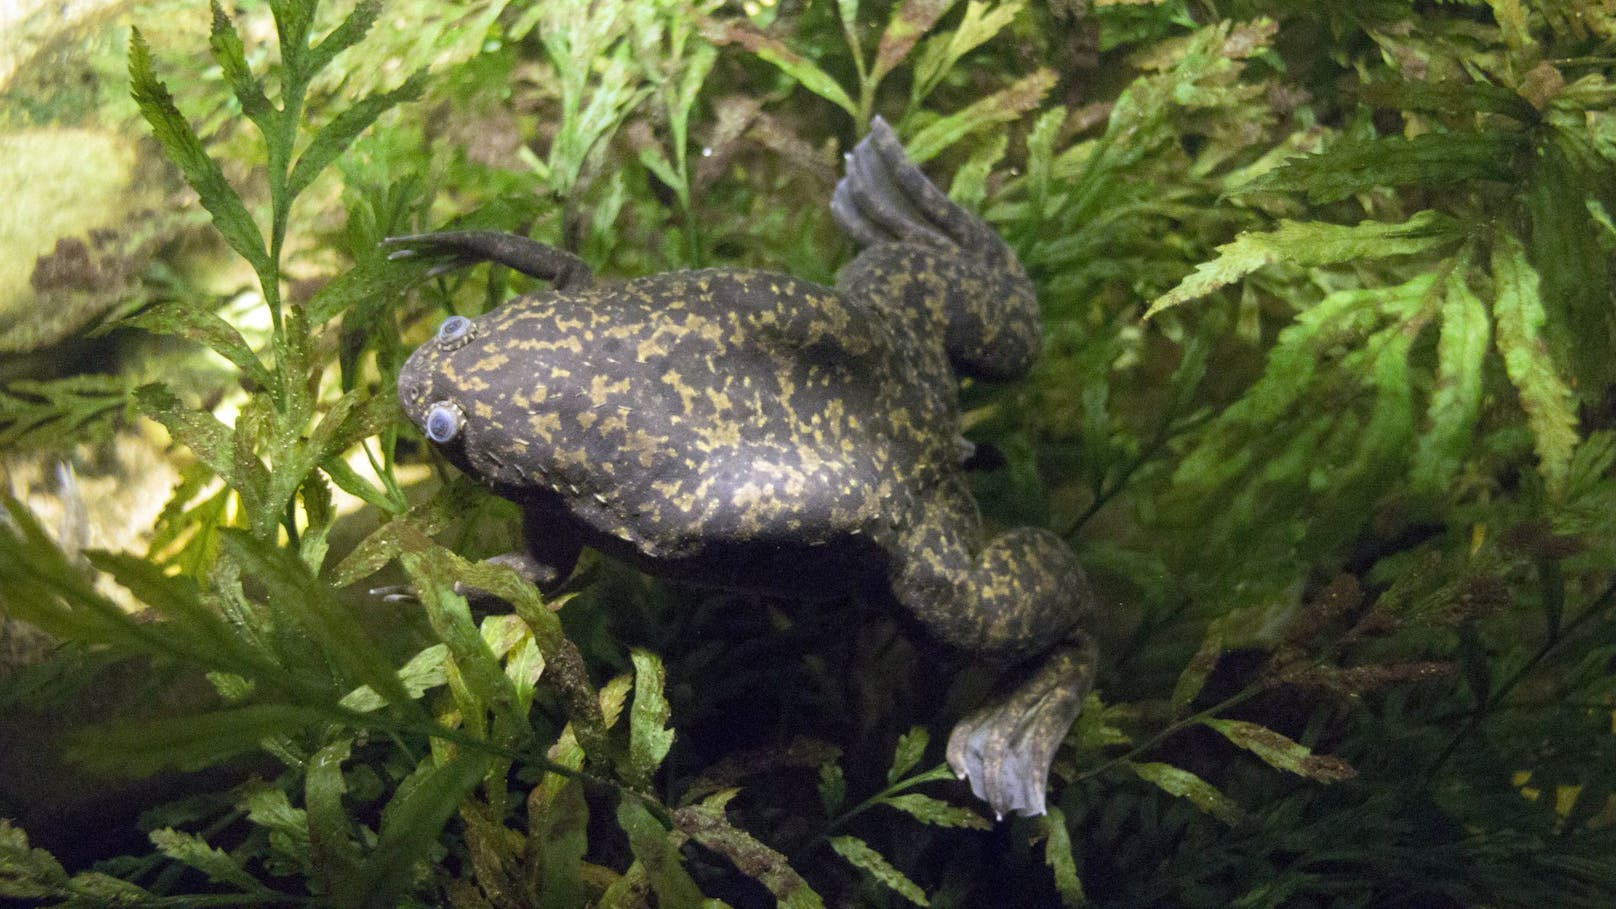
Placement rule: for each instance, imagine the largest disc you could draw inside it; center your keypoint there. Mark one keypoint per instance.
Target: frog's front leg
(1020, 599)
(464, 248)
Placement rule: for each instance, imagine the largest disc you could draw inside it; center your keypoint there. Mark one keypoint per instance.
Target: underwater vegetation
(1326, 408)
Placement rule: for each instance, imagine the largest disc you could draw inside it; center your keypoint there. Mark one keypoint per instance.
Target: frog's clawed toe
(462, 248)
(1005, 749)
(396, 593)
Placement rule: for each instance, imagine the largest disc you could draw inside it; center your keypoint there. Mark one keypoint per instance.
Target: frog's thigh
(1008, 600)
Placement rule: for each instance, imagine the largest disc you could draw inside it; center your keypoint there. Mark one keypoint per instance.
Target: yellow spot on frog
(687, 395)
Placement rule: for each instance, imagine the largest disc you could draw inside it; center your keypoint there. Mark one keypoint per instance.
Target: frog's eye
(454, 331)
(443, 422)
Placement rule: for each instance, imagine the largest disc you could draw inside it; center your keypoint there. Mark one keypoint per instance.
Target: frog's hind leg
(934, 259)
(1021, 599)
(462, 248)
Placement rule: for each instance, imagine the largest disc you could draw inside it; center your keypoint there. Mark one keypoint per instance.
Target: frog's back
(697, 409)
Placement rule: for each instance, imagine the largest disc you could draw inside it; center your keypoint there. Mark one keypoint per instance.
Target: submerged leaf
(658, 851)
(1456, 399)
(1184, 784)
(1308, 243)
(648, 736)
(937, 812)
(861, 856)
(1002, 106)
(1547, 399)
(1284, 753)
(181, 145)
(1058, 856)
(799, 68)
(707, 825)
(1432, 159)
(217, 864)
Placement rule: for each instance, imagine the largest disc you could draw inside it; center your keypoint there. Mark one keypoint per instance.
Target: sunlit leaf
(181, 145)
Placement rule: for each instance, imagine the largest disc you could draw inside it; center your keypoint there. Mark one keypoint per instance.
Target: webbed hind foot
(1006, 748)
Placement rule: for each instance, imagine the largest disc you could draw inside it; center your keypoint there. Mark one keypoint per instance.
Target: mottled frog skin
(752, 430)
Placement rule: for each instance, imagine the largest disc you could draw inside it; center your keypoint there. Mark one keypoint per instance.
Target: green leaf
(940, 53)
(804, 71)
(191, 623)
(424, 671)
(910, 20)
(434, 574)
(1545, 396)
(217, 864)
(1284, 753)
(1306, 244)
(657, 849)
(969, 187)
(205, 327)
(44, 413)
(335, 853)
(296, 595)
(937, 812)
(231, 56)
(334, 138)
(373, 285)
(859, 854)
(1447, 96)
(708, 825)
(181, 145)
(351, 31)
(1570, 254)
(832, 787)
(1456, 399)
(290, 844)
(1002, 106)
(194, 742)
(648, 737)
(411, 824)
(558, 822)
(1186, 785)
(1431, 159)
(911, 748)
(27, 873)
(210, 440)
(1058, 856)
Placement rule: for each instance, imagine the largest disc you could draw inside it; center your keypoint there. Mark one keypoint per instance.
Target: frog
(749, 430)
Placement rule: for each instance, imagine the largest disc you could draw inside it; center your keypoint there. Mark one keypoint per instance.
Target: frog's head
(440, 389)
